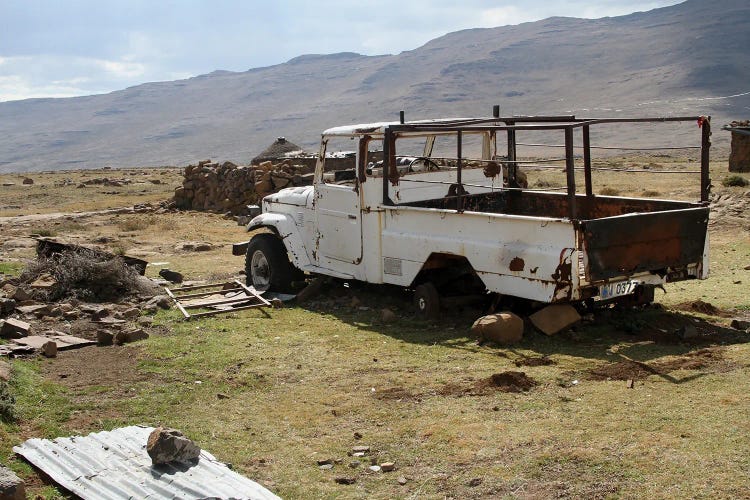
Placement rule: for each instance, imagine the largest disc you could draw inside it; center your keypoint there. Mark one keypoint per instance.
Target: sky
(53, 48)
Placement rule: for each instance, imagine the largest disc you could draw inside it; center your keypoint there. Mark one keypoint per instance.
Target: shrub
(8, 412)
(88, 276)
(735, 181)
(609, 191)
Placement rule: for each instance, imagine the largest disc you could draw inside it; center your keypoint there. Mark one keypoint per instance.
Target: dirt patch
(112, 369)
(708, 359)
(702, 307)
(397, 394)
(510, 381)
(534, 361)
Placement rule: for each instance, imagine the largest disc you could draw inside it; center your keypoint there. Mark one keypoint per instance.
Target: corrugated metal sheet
(115, 465)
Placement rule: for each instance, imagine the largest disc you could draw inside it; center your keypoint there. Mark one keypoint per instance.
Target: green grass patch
(11, 268)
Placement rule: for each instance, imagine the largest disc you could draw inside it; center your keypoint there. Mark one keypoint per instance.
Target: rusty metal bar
(570, 172)
(705, 147)
(459, 165)
(587, 160)
(512, 168)
(386, 165)
(610, 147)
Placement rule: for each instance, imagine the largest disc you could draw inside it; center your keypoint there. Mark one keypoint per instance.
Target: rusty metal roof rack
(511, 125)
(223, 297)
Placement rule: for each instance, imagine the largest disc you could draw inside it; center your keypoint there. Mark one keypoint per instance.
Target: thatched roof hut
(279, 149)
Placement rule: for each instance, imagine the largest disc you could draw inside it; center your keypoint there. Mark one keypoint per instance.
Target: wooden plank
(206, 294)
(213, 313)
(199, 287)
(236, 300)
(253, 293)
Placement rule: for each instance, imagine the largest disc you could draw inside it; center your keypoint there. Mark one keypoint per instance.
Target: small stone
(402, 480)
(326, 467)
(170, 445)
(357, 435)
(388, 316)
(136, 335)
(44, 282)
(11, 486)
(475, 482)
(104, 337)
(5, 372)
(277, 303)
(172, 276)
(739, 324)
(14, 328)
(345, 480)
(358, 454)
(354, 464)
(324, 461)
(387, 466)
(145, 321)
(7, 306)
(688, 331)
(120, 338)
(222, 396)
(555, 318)
(360, 449)
(374, 468)
(131, 313)
(49, 349)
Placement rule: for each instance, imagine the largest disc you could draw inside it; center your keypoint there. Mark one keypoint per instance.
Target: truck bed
(616, 236)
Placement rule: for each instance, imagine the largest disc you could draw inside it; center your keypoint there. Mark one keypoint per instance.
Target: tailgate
(632, 243)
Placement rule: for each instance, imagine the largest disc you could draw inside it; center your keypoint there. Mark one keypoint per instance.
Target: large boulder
(501, 328)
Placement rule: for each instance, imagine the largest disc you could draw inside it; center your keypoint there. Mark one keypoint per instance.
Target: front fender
(286, 228)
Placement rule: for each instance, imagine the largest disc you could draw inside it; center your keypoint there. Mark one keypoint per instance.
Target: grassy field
(272, 395)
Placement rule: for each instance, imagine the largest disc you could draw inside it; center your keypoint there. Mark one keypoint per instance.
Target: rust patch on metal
(517, 264)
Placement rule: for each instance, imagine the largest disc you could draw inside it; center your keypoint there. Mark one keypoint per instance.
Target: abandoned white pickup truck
(440, 212)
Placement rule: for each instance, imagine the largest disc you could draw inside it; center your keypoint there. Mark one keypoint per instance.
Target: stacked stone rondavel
(227, 187)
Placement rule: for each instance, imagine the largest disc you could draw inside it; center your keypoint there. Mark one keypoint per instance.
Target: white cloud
(122, 69)
(503, 16)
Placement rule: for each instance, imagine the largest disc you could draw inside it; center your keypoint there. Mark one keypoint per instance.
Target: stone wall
(739, 159)
(228, 187)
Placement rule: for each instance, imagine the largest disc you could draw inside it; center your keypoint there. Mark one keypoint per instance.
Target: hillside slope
(670, 61)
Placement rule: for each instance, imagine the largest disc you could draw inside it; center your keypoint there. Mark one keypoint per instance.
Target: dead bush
(87, 276)
(609, 191)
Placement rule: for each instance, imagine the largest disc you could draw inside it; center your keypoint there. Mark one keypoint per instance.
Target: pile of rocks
(227, 187)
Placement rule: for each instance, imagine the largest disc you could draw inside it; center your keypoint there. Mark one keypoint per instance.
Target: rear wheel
(267, 266)
(427, 300)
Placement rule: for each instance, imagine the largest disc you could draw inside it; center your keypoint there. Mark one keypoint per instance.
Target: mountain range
(687, 59)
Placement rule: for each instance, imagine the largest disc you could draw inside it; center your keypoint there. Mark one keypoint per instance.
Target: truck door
(338, 217)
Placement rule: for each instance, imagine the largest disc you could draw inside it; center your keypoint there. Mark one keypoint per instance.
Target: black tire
(267, 266)
(427, 301)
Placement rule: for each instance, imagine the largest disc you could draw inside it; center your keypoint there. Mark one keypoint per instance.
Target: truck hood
(297, 196)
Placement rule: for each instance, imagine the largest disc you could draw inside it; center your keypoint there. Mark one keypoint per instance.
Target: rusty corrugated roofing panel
(115, 465)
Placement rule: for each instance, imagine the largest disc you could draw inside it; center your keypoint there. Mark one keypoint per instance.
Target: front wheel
(267, 266)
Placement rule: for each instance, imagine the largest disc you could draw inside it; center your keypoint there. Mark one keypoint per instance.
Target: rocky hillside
(669, 61)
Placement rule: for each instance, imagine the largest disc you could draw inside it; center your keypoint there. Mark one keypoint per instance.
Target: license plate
(617, 289)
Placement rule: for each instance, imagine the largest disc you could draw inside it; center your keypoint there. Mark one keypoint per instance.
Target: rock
(360, 449)
(28, 181)
(475, 482)
(501, 328)
(7, 306)
(121, 338)
(38, 310)
(387, 466)
(104, 337)
(324, 461)
(100, 313)
(555, 318)
(5, 372)
(402, 480)
(326, 467)
(162, 301)
(20, 295)
(49, 349)
(739, 324)
(167, 445)
(172, 276)
(14, 328)
(310, 290)
(388, 316)
(131, 313)
(345, 480)
(145, 321)
(11, 486)
(374, 468)
(44, 282)
(688, 331)
(193, 246)
(277, 303)
(354, 464)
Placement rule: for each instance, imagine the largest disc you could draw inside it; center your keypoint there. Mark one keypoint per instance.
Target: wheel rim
(260, 271)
